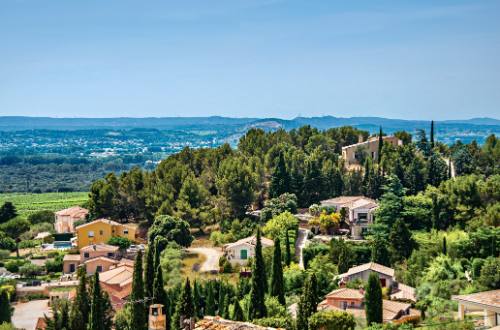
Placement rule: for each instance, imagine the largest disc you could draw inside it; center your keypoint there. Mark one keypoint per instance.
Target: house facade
(360, 212)
(117, 282)
(65, 219)
(354, 154)
(487, 302)
(101, 230)
(96, 257)
(240, 251)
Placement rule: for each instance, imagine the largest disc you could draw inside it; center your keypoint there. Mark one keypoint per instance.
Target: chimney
(157, 319)
(360, 138)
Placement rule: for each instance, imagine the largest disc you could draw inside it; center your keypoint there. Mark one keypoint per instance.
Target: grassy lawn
(30, 203)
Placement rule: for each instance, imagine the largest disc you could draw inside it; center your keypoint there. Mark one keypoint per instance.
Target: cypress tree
(138, 311)
(220, 299)
(257, 308)
(373, 300)
(79, 314)
(185, 308)
(445, 248)
(159, 295)
(280, 180)
(432, 134)
(288, 253)
(237, 311)
(210, 305)
(100, 307)
(380, 145)
(308, 303)
(65, 323)
(277, 286)
(5, 309)
(149, 273)
(197, 300)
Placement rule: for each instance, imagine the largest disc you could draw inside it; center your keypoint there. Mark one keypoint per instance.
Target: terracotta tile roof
(106, 221)
(74, 212)
(101, 258)
(71, 257)
(404, 292)
(346, 293)
(126, 262)
(369, 266)
(252, 240)
(351, 202)
(217, 323)
(100, 247)
(487, 298)
(117, 276)
(390, 309)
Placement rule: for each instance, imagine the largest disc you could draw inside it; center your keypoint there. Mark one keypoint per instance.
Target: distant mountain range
(12, 123)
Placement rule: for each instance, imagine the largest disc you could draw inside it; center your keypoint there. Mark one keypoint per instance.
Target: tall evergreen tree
(149, 272)
(257, 308)
(210, 294)
(277, 285)
(308, 303)
(79, 314)
(185, 307)
(100, 308)
(373, 300)
(280, 179)
(288, 253)
(159, 294)
(380, 253)
(445, 246)
(138, 311)
(5, 309)
(401, 241)
(380, 145)
(237, 311)
(197, 300)
(391, 203)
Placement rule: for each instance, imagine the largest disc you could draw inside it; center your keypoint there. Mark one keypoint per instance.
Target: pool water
(62, 245)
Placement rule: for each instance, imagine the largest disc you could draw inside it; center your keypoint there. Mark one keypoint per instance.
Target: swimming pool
(62, 245)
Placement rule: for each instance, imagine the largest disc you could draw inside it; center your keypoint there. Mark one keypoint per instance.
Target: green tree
(308, 303)
(380, 253)
(380, 145)
(237, 311)
(259, 283)
(79, 313)
(149, 272)
(138, 312)
(391, 203)
(185, 307)
(14, 228)
(191, 205)
(288, 253)
(432, 134)
(7, 211)
(401, 241)
(373, 300)
(490, 273)
(277, 285)
(100, 314)
(159, 294)
(280, 179)
(332, 320)
(437, 169)
(171, 229)
(5, 309)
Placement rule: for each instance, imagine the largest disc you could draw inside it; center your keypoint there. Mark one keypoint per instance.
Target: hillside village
(304, 229)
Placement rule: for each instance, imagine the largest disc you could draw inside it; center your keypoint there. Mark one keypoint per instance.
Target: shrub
(225, 265)
(55, 265)
(41, 216)
(30, 270)
(13, 265)
(332, 320)
(4, 254)
(122, 242)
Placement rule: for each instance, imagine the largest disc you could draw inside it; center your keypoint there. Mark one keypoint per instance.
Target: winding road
(212, 255)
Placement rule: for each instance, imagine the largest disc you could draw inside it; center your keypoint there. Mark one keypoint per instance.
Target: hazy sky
(419, 59)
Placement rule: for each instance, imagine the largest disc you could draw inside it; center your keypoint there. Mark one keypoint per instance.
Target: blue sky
(422, 59)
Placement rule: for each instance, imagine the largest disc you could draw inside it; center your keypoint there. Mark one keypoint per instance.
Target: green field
(29, 203)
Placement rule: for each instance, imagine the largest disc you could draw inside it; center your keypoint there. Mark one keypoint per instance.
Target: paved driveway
(212, 255)
(301, 243)
(26, 314)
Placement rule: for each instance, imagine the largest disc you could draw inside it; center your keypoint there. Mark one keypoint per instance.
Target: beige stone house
(65, 219)
(487, 302)
(240, 251)
(354, 153)
(360, 212)
(96, 257)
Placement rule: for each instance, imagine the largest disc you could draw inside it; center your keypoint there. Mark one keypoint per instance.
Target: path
(26, 314)
(212, 255)
(302, 241)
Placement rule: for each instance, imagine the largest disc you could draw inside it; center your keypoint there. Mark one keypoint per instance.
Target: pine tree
(237, 311)
(373, 300)
(380, 145)
(7, 211)
(288, 253)
(308, 303)
(401, 241)
(79, 314)
(149, 273)
(280, 180)
(138, 311)
(5, 309)
(257, 308)
(159, 294)
(277, 286)
(432, 134)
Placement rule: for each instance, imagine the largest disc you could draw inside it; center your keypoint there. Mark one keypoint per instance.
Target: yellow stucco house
(101, 230)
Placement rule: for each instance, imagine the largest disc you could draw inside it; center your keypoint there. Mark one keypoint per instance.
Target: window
(111, 254)
(98, 269)
(243, 254)
(86, 255)
(125, 231)
(90, 233)
(72, 268)
(101, 232)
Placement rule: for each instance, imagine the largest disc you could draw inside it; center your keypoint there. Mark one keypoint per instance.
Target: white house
(360, 212)
(240, 251)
